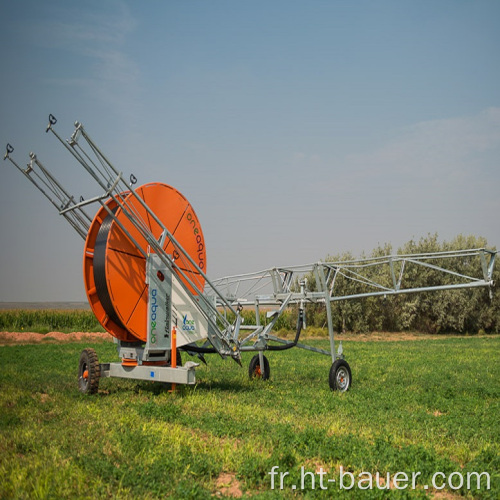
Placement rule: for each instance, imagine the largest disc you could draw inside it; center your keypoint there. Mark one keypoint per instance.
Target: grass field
(415, 406)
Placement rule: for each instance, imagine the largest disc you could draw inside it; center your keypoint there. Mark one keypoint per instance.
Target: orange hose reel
(114, 269)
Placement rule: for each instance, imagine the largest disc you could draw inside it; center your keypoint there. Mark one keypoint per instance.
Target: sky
(295, 129)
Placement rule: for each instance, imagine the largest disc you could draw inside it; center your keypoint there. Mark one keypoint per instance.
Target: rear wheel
(257, 371)
(89, 372)
(340, 376)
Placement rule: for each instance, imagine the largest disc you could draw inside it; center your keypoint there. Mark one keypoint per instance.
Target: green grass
(422, 406)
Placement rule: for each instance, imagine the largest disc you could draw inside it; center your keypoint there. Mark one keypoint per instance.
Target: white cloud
(426, 150)
(435, 176)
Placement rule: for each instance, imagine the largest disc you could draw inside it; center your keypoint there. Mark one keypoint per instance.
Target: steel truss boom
(328, 282)
(377, 276)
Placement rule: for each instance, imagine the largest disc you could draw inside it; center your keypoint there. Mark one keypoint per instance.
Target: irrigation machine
(144, 271)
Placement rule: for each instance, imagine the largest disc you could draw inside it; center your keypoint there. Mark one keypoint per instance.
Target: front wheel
(257, 371)
(340, 376)
(89, 372)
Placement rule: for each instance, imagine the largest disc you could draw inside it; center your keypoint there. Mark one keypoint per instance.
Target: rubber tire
(340, 378)
(89, 363)
(254, 368)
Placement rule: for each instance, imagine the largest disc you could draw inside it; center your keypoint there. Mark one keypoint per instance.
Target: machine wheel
(255, 371)
(340, 376)
(89, 372)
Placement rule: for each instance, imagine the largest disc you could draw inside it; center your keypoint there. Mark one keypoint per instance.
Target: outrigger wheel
(255, 370)
(89, 372)
(340, 376)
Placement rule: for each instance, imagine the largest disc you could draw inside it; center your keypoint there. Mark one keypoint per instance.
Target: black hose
(212, 350)
(300, 323)
(198, 350)
(100, 270)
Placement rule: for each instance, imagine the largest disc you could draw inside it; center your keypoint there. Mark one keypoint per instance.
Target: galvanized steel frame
(276, 288)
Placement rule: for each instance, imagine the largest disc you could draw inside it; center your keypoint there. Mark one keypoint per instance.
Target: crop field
(419, 406)
(47, 320)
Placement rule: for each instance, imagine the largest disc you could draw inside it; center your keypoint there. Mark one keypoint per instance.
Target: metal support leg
(321, 281)
(262, 365)
(330, 328)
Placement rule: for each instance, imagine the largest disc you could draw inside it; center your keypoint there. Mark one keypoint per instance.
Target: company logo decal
(188, 324)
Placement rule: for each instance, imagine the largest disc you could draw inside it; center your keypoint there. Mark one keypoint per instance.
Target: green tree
(460, 310)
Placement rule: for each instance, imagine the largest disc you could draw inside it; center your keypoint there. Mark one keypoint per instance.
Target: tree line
(458, 310)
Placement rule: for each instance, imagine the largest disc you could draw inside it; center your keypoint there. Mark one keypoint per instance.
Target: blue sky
(296, 129)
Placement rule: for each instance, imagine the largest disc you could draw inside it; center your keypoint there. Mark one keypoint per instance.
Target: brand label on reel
(199, 240)
(153, 308)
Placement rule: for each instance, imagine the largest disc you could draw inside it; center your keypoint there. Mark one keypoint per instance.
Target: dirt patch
(445, 495)
(228, 486)
(57, 337)
(436, 413)
(384, 336)
(400, 336)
